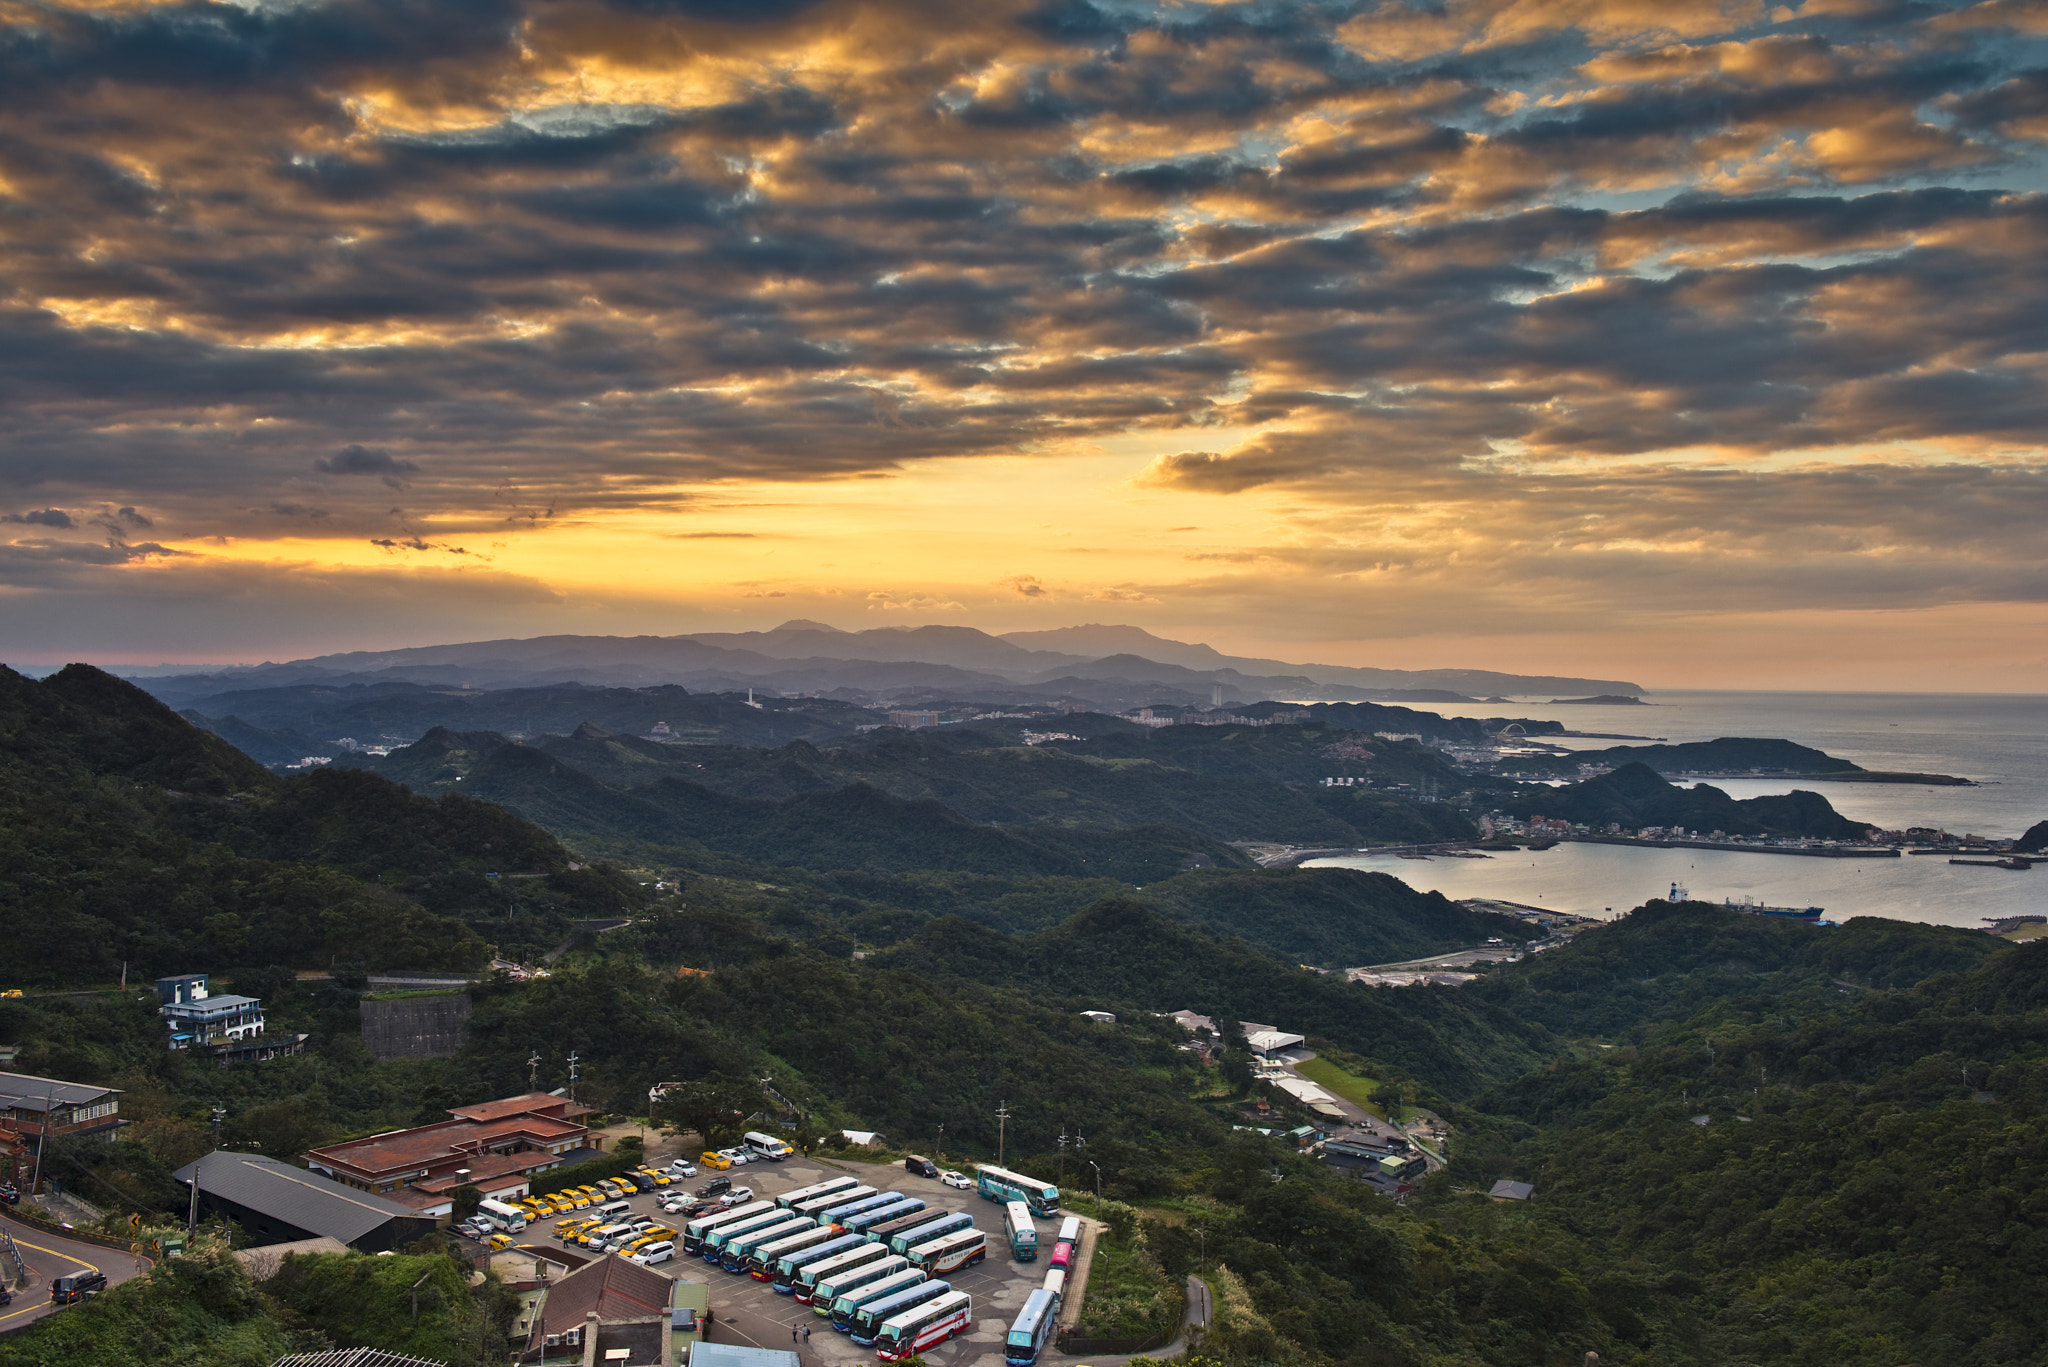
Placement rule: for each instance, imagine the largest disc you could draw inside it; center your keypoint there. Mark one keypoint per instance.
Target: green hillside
(1634, 796)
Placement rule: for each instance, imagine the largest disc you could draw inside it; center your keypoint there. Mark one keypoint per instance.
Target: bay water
(1998, 741)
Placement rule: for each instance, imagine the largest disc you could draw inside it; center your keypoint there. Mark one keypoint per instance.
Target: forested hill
(127, 834)
(1829, 1147)
(1634, 796)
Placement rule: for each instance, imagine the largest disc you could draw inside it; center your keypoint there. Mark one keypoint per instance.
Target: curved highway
(50, 1256)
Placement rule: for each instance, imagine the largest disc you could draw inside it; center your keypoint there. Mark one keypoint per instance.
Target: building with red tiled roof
(607, 1305)
(496, 1147)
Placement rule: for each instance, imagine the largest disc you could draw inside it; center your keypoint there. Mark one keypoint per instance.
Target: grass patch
(1128, 1295)
(1356, 1090)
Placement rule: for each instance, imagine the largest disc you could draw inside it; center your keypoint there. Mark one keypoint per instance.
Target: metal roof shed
(278, 1203)
(734, 1355)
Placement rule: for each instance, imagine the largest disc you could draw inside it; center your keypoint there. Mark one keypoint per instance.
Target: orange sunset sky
(1698, 344)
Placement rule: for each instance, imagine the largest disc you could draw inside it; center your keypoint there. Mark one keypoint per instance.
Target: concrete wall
(416, 1027)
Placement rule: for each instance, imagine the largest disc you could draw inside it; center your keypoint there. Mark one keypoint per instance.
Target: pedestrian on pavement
(792, 1333)
(807, 1336)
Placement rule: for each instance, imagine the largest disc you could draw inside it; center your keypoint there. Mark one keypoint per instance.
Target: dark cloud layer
(518, 264)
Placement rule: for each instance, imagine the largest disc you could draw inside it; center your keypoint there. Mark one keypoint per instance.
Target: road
(48, 1257)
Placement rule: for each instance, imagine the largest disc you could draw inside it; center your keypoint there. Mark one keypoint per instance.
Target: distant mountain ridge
(1105, 665)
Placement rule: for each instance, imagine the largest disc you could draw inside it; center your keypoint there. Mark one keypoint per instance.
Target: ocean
(1999, 741)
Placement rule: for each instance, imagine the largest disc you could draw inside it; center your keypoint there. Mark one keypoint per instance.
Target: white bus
(767, 1263)
(830, 1272)
(818, 1205)
(872, 1315)
(790, 1200)
(1030, 1330)
(928, 1326)
(695, 1232)
(738, 1253)
(1056, 1282)
(717, 1240)
(503, 1218)
(951, 1253)
(1001, 1184)
(765, 1146)
(943, 1222)
(847, 1303)
(1023, 1235)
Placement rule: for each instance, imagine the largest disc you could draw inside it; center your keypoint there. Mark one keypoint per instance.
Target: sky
(1700, 344)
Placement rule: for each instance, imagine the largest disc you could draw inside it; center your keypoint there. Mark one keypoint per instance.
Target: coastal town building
(278, 1203)
(31, 1107)
(225, 1027)
(495, 1146)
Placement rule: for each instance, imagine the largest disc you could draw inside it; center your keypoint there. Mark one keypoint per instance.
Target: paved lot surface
(50, 1257)
(748, 1312)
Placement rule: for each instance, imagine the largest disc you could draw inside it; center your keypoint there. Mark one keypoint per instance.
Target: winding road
(50, 1256)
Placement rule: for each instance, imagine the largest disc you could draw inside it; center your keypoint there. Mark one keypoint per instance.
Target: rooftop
(22, 1092)
(291, 1194)
(616, 1288)
(532, 1103)
(436, 1143)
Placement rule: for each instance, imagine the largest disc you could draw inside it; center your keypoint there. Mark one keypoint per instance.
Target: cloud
(354, 459)
(1112, 594)
(911, 602)
(1027, 586)
(47, 517)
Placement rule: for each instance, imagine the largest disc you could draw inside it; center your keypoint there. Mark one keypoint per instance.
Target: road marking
(55, 1253)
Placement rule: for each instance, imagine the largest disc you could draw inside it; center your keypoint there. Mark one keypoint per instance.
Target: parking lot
(748, 1312)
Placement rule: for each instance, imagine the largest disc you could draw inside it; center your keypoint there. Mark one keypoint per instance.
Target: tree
(466, 1199)
(715, 1108)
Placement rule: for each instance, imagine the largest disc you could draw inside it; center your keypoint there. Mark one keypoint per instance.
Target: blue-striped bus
(847, 1303)
(694, 1232)
(1000, 1184)
(761, 1263)
(790, 1200)
(872, 1315)
(839, 1214)
(927, 1326)
(889, 1229)
(787, 1265)
(945, 1222)
(1023, 1235)
(738, 1249)
(835, 1270)
(1032, 1329)
(818, 1205)
(715, 1240)
(896, 1209)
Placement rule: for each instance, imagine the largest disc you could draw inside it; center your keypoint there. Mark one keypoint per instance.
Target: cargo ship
(1756, 908)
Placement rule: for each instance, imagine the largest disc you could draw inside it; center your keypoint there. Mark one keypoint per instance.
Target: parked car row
(641, 1238)
(568, 1199)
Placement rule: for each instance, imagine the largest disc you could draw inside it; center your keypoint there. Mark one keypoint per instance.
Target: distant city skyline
(1699, 345)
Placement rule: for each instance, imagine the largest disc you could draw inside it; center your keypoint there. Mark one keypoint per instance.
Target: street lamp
(1098, 1186)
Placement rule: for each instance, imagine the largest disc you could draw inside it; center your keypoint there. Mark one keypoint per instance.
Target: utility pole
(572, 1075)
(1002, 1129)
(942, 1143)
(49, 1110)
(1063, 1155)
(533, 1071)
(220, 1113)
(1098, 1187)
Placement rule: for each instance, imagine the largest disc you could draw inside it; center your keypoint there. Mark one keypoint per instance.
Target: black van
(77, 1286)
(923, 1167)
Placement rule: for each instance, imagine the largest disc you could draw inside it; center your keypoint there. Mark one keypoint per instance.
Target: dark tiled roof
(616, 1288)
(20, 1091)
(292, 1195)
(355, 1357)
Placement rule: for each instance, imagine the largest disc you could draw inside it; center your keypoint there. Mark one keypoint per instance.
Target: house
(1504, 1190)
(276, 1203)
(1265, 1041)
(1106, 1017)
(866, 1139)
(226, 1027)
(31, 1106)
(495, 1146)
(610, 1305)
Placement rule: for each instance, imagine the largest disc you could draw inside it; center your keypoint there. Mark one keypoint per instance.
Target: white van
(765, 1146)
(503, 1218)
(655, 1253)
(613, 1210)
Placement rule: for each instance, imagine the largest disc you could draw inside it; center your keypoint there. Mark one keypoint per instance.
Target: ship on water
(1751, 907)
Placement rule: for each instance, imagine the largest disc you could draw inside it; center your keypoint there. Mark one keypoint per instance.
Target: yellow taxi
(717, 1162)
(500, 1241)
(660, 1179)
(576, 1199)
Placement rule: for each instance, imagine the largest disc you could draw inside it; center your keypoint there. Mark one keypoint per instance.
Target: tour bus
(927, 1326)
(826, 1292)
(832, 1215)
(848, 1303)
(761, 1262)
(790, 1200)
(1030, 1330)
(901, 1220)
(694, 1232)
(1056, 1282)
(1000, 1184)
(944, 1223)
(1067, 1244)
(896, 1207)
(503, 1218)
(1023, 1234)
(715, 1242)
(872, 1315)
(818, 1205)
(765, 1146)
(739, 1249)
(790, 1266)
(951, 1253)
(838, 1267)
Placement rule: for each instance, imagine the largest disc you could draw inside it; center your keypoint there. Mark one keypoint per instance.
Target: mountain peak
(806, 624)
